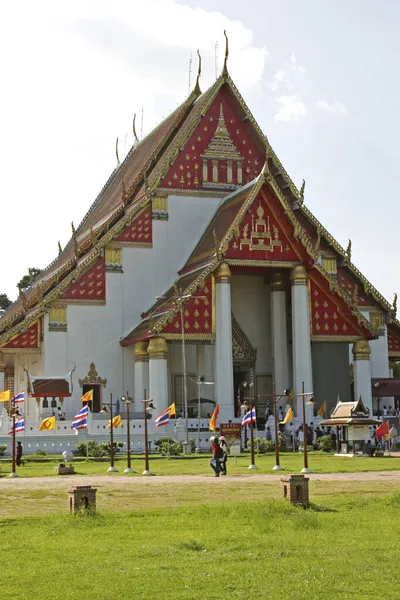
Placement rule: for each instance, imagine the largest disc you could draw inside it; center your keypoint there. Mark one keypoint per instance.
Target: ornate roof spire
(134, 131)
(348, 250)
(225, 68)
(74, 240)
(303, 187)
(59, 249)
(116, 153)
(395, 305)
(197, 89)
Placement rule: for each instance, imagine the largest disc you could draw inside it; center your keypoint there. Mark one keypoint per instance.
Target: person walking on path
(224, 459)
(216, 455)
(19, 454)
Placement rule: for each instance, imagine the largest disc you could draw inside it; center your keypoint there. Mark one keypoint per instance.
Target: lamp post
(104, 411)
(15, 413)
(275, 399)
(252, 464)
(147, 406)
(303, 396)
(127, 400)
(199, 382)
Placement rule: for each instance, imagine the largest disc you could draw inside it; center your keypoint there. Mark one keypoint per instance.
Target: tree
(27, 280)
(396, 369)
(4, 302)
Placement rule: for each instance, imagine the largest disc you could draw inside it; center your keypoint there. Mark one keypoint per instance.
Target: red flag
(382, 430)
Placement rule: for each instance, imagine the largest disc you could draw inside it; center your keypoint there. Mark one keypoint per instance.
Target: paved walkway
(139, 482)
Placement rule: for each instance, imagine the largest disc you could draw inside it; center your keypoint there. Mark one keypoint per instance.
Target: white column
(379, 347)
(2, 370)
(301, 334)
(141, 372)
(224, 394)
(158, 373)
(362, 373)
(279, 333)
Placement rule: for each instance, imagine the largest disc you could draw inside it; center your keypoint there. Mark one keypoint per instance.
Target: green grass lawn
(318, 462)
(344, 548)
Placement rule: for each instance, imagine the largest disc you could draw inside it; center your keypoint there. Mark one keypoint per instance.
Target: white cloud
(295, 64)
(335, 108)
(281, 79)
(291, 108)
(75, 73)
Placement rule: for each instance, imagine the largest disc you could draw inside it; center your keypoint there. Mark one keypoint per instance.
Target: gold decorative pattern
(140, 351)
(223, 273)
(92, 377)
(157, 348)
(361, 350)
(113, 258)
(299, 275)
(58, 318)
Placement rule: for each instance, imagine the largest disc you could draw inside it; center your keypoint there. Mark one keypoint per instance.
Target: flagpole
(146, 439)
(252, 461)
(277, 466)
(13, 468)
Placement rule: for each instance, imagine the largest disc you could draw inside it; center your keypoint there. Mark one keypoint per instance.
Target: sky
(320, 77)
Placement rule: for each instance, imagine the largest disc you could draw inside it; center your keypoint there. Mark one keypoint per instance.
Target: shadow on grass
(317, 508)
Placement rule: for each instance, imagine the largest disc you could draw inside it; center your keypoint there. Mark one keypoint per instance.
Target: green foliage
(27, 280)
(41, 452)
(3, 448)
(167, 446)
(326, 443)
(106, 446)
(4, 302)
(396, 369)
(92, 449)
(262, 446)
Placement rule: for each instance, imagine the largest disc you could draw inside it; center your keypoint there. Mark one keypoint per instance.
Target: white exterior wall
(94, 331)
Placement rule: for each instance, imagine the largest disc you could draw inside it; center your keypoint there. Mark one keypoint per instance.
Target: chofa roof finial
(197, 89)
(348, 250)
(116, 153)
(134, 130)
(225, 69)
(395, 305)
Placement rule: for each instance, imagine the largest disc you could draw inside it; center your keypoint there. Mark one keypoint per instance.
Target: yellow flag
(5, 396)
(47, 424)
(288, 417)
(116, 422)
(213, 420)
(172, 410)
(322, 410)
(87, 397)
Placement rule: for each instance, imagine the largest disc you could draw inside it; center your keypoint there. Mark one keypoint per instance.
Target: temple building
(198, 235)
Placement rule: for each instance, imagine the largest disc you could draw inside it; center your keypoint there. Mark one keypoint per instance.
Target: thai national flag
(162, 419)
(80, 419)
(249, 416)
(20, 397)
(19, 426)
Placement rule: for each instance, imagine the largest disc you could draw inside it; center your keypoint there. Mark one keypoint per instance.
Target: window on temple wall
(329, 264)
(114, 260)
(95, 404)
(58, 318)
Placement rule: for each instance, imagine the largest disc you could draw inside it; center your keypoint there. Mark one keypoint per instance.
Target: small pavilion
(352, 422)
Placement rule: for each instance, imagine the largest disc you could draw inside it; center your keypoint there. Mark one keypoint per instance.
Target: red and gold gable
(197, 314)
(219, 152)
(91, 286)
(29, 339)
(330, 315)
(140, 231)
(393, 341)
(263, 234)
(353, 288)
